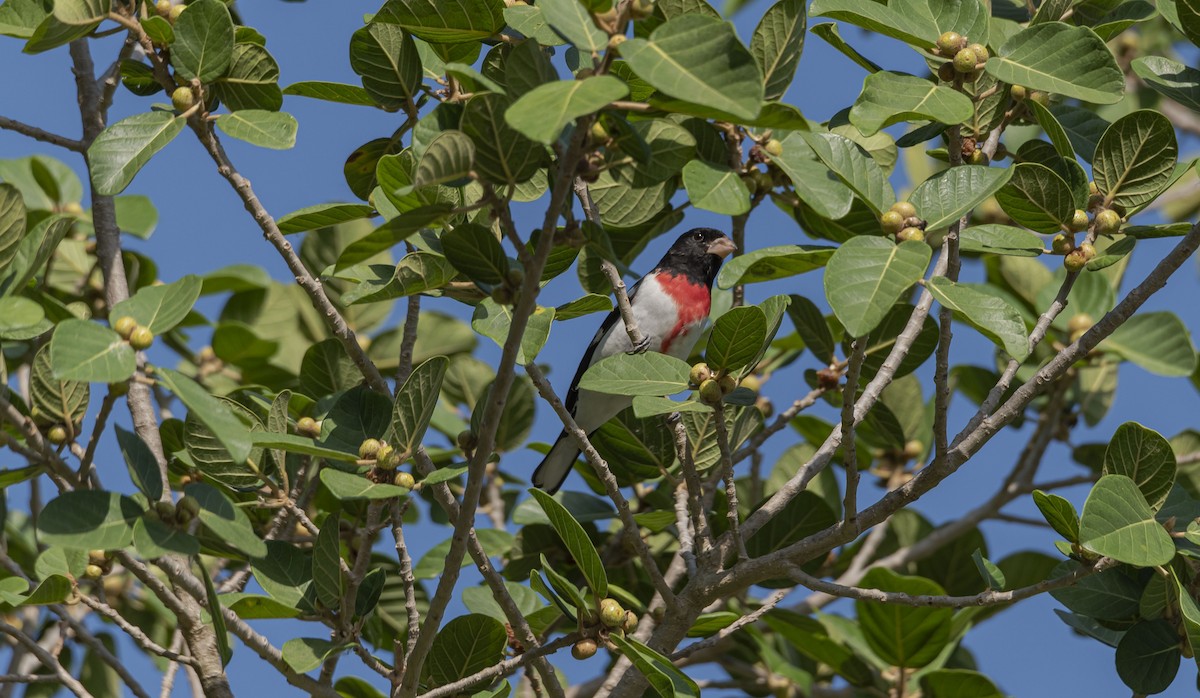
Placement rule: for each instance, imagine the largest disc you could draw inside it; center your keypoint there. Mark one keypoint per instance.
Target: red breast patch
(692, 300)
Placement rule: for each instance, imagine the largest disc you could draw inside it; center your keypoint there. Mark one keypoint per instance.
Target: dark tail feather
(557, 464)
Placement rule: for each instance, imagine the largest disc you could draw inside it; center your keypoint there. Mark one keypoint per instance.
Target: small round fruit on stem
(981, 53)
(369, 449)
(405, 480)
(891, 222)
(905, 209)
(584, 649)
(727, 384)
(141, 338)
(710, 392)
(1079, 324)
(949, 43)
(774, 147)
(1079, 221)
(124, 326)
(612, 615)
(1062, 244)
(1108, 222)
(700, 373)
(910, 233)
(964, 61)
(183, 98)
(1018, 93)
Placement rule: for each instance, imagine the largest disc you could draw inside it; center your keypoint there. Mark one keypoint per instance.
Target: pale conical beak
(721, 247)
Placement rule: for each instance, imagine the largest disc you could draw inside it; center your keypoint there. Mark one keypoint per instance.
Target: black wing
(586, 361)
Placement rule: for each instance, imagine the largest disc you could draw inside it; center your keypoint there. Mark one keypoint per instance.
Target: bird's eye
(698, 236)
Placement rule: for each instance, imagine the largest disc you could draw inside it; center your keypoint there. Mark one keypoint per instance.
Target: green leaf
(1170, 79)
(12, 223)
(992, 315)
(285, 573)
(494, 321)
(53, 589)
(62, 402)
(663, 676)
(143, 469)
(475, 251)
(331, 92)
(903, 636)
(814, 183)
(802, 516)
(1117, 522)
(322, 215)
(386, 58)
(229, 430)
(953, 683)
(649, 373)
(855, 167)
(1062, 59)
(303, 654)
(502, 154)
(161, 308)
(572, 20)
(1135, 159)
(531, 22)
(415, 403)
(82, 350)
(346, 486)
(1054, 130)
(716, 188)
(772, 263)
(392, 233)
(495, 544)
(1188, 16)
(81, 12)
(990, 573)
(89, 520)
(699, 59)
(1148, 657)
(891, 98)
(267, 129)
(226, 520)
(153, 538)
(1158, 342)
(125, 147)
(543, 112)
(1144, 456)
(577, 542)
(776, 45)
(51, 33)
(445, 21)
(993, 238)
(915, 22)
(136, 215)
(327, 563)
(465, 646)
(736, 338)
(811, 326)
(252, 81)
(257, 606)
(204, 38)
(1059, 513)
(293, 443)
(867, 275)
(1037, 198)
(447, 160)
(584, 305)
(948, 195)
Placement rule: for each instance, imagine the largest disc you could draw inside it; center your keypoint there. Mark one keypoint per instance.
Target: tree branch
(38, 134)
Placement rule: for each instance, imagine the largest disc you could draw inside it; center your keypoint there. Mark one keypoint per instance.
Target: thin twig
(986, 598)
(41, 135)
(752, 617)
(504, 668)
(47, 659)
(636, 338)
(133, 631)
(733, 515)
(858, 352)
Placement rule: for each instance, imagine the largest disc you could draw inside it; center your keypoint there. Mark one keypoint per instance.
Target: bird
(670, 306)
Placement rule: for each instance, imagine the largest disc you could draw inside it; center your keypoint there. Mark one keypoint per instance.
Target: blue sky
(203, 226)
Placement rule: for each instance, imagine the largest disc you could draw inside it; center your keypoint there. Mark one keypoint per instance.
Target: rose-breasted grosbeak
(670, 305)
